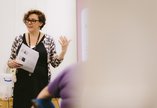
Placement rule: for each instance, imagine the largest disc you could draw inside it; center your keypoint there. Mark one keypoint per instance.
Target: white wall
(61, 20)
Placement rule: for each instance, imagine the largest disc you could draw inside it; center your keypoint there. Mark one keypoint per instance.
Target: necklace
(29, 40)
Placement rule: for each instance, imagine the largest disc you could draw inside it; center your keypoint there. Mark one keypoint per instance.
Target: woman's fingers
(64, 41)
(14, 64)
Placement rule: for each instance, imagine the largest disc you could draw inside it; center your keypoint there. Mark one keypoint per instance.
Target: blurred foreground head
(66, 86)
(122, 60)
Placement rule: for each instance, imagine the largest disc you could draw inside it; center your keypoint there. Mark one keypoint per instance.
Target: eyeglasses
(31, 21)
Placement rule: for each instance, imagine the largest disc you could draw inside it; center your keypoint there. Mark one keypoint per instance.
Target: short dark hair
(40, 15)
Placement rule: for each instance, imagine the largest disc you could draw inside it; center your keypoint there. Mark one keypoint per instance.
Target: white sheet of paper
(28, 58)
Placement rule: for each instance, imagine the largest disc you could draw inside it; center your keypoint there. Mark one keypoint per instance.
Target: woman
(29, 85)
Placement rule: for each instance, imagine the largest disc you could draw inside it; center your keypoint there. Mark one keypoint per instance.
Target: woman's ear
(40, 24)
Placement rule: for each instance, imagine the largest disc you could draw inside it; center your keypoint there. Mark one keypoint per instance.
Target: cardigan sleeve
(16, 43)
(53, 54)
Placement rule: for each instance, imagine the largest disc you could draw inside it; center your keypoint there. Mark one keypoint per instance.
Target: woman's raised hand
(64, 42)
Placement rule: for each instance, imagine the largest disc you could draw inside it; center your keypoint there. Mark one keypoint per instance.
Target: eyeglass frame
(32, 21)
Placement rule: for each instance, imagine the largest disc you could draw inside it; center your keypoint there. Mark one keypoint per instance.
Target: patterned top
(48, 42)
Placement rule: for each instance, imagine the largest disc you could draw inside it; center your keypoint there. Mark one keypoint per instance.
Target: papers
(28, 58)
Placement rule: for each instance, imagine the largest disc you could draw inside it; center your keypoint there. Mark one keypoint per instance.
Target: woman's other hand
(14, 64)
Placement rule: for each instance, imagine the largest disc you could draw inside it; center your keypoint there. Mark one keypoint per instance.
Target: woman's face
(32, 23)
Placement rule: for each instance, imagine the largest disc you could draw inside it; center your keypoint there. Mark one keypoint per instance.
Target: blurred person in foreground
(64, 86)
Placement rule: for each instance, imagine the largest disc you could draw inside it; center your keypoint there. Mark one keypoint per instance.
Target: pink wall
(79, 6)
